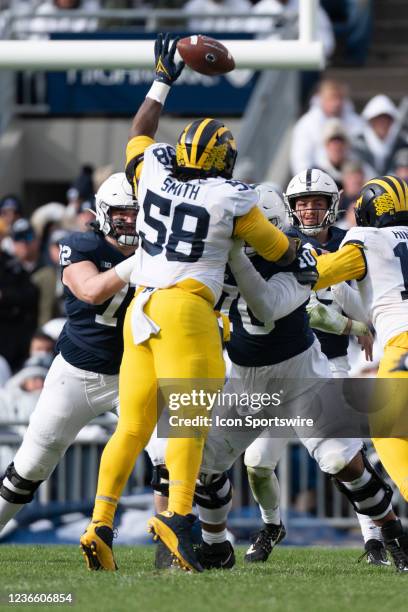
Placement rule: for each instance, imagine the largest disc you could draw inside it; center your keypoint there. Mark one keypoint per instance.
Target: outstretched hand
(167, 70)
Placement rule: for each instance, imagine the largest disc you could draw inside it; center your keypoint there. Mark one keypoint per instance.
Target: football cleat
(263, 543)
(396, 543)
(96, 545)
(375, 553)
(217, 556)
(163, 559)
(174, 530)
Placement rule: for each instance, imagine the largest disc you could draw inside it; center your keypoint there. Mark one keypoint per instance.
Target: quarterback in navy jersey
(263, 350)
(82, 382)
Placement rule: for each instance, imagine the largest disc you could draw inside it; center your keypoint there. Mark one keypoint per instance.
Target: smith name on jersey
(92, 336)
(384, 288)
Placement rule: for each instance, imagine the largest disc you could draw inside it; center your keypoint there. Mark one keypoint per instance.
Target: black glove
(167, 71)
(305, 267)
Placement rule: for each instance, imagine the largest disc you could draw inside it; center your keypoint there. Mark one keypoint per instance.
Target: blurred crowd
(348, 19)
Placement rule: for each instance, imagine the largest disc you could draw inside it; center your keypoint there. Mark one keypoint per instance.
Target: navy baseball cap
(22, 231)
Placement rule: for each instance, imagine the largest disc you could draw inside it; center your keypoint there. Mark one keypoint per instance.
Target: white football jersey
(185, 227)
(384, 289)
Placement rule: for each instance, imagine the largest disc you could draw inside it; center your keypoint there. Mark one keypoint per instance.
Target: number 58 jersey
(384, 288)
(185, 227)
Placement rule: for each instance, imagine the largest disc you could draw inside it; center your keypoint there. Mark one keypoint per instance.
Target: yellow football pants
(393, 452)
(188, 347)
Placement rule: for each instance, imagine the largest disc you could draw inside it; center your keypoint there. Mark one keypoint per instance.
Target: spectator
(18, 310)
(213, 22)
(10, 209)
(41, 27)
(27, 250)
(330, 102)
(400, 164)
(287, 8)
(42, 349)
(353, 179)
(85, 216)
(382, 135)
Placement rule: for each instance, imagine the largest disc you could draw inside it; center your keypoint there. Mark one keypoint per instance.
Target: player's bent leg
(61, 412)
(213, 498)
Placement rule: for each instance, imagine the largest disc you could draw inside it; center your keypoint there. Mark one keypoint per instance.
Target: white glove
(125, 268)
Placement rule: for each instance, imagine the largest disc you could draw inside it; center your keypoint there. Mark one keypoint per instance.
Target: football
(205, 55)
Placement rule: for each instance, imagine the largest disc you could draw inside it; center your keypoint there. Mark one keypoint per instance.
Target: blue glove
(167, 71)
(305, 267)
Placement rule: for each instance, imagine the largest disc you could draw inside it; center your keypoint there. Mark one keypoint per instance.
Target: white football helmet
(116, 192)
(273, 207)
(312, 182)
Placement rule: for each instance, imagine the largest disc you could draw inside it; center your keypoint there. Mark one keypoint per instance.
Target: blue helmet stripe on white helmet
(312, 182)
(115, 192)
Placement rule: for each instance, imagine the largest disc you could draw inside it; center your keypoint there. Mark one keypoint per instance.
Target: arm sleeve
(134, 157)
(265, 238)
(269, 300)
(350, 301)
(348, 263)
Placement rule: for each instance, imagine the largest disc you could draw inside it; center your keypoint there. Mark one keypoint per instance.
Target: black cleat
(174, 530)
(217, 556)
(396, 542)
(163, 558)
(375, 553)
(263, 543)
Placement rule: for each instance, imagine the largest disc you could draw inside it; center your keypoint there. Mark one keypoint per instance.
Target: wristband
(158, 92)
(124, 269)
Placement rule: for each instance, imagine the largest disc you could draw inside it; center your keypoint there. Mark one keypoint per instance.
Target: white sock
(369, 530)
(210, 537)
(359, 482)
(272, 516)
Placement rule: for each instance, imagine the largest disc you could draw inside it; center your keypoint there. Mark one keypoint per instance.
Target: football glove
(167, 71)
(305, 267)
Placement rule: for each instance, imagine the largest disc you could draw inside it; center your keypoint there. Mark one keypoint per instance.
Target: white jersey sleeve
(185, 227)
(268, 300)
(384, 288)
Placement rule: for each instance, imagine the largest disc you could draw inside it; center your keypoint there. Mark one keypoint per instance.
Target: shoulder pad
(83, 242)
(355, 235)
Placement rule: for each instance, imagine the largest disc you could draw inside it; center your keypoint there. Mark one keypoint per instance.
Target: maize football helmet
(206, 148)
(116, 193)
(383, 201)
(312, 182)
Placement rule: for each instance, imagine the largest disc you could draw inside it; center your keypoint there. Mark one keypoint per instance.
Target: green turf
(294, 579)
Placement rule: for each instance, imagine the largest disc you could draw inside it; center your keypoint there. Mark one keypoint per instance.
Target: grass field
(294, 579)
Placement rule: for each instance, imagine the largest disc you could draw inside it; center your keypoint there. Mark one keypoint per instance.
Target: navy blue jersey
(333, 345)
(92, 336)
(252, 343)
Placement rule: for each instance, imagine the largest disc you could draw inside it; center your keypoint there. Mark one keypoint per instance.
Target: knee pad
(376, 490)
(160, 480)
(213, 496)
(333, 456)
(15, 489)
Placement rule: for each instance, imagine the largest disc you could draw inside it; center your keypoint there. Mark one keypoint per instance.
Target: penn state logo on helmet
(116, 194)
(312, 182)
(383, 201)
(206, 148)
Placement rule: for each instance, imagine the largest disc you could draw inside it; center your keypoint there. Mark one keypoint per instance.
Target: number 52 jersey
(185, 227)
(384, 288)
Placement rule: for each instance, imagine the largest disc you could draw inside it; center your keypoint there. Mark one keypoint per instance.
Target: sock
(369, 530)
(210, 537)
(183, 460)
(266, 491)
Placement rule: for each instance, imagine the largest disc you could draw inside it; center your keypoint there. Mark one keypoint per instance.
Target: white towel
(142, 326)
